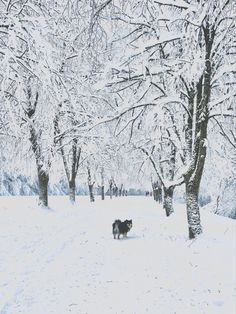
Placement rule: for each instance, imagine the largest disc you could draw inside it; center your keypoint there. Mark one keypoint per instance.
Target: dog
(119, 227)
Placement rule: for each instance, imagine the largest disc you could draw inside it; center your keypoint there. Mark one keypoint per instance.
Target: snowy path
(66, 261)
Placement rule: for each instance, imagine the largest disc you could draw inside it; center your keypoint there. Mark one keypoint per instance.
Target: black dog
(119, 227)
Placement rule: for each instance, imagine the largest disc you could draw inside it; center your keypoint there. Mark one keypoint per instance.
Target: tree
(208, 51)
(186, 53)
(82, 37)
(29, 82)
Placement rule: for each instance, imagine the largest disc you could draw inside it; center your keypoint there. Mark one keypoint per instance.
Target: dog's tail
(115, 226)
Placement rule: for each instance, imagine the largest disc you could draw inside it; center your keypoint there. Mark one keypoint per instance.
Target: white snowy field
(65, 260)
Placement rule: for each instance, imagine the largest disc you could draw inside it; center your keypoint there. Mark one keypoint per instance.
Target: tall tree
(184, 55)
(210, 73)
(29, 81)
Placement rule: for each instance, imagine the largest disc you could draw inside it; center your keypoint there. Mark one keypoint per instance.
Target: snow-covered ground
(65, 260)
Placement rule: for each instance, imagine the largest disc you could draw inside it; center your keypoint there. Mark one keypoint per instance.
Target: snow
(65, 260)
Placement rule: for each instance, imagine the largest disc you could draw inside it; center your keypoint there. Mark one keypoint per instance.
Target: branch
(221, 100)
(102, 7)
(154, 165)
(224, 133)
(222, 115)
(161, 102)
(178, 4)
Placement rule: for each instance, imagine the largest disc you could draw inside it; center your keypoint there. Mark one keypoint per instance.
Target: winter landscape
(117, 156)
(65, 260)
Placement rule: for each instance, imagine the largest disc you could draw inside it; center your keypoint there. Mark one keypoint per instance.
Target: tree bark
(71, 170)
(90, 185)
(193, 180)
(115, 191)
(102, 187)
(199, 125)
(159, 195)
(43, 179)
(43, 175)
(168, 200)
(110, 192)
(110, 188)
(154, 190)
(72, 191)
(103, 193)
(91, 194)
(193, 212)
(120, 190)
(155, 194)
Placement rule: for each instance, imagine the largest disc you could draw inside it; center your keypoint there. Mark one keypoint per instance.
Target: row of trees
(180, 69)
(92, 80)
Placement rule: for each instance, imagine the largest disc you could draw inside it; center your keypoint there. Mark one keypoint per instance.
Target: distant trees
(83, 37)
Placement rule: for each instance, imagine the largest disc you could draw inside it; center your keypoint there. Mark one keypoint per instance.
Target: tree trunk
(102, 187)
(193, 180)
(154, 194)
(115, 191)
(91, 194)
(168, 200)
(71, 166)
(43, 175)
(110, 188)
(90, 185)
(110, 192)
(103, 193)
(72, 191)
(159, 195)
(43, 179)
(192, 183)
(194, 176)
(154, 191)
(193, 213)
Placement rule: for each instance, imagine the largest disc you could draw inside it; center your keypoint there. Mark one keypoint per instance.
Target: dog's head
(129, 223)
